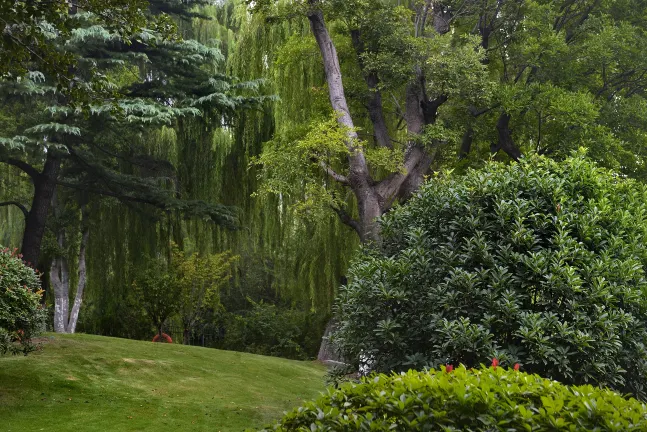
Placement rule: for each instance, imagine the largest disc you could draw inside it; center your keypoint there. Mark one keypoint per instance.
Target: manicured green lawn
(85, 383)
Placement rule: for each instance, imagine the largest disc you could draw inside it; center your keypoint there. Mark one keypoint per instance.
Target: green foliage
(479, 400)
(539, 263)
(21, 314)
(272, 330)
(198, 280)
(32, 31)
(156, 292)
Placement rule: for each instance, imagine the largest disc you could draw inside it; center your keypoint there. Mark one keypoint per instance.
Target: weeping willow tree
(305, 254)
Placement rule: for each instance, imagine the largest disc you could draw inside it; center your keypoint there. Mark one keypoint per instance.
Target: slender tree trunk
(44, 187)
(78, 298)
(60, 277)
(65, 321)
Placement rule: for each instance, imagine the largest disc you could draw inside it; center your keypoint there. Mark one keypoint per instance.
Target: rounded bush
(478, 400)
(540, 263)
(21, 314)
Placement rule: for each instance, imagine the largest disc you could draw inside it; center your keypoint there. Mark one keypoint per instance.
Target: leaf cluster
(479, 400)
(21, 313)
(540, 263)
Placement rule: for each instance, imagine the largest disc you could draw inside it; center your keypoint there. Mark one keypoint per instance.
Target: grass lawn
(85, 383)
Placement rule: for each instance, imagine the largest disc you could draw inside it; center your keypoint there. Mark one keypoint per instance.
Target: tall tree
(159, 81)
(31, 31)
(464, 77)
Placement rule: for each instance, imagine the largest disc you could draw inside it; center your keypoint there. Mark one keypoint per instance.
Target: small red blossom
(516, 366)
(449, 368)
(495, 363)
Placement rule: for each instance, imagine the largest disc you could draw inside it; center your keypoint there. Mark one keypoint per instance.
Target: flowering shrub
(21, 315)
(486, 399)
(540, 263)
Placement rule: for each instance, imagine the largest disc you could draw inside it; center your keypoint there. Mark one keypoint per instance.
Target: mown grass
(85, 383)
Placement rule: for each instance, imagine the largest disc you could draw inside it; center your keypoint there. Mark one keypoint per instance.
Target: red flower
(449, 368)
(516, 366)
(495, 363)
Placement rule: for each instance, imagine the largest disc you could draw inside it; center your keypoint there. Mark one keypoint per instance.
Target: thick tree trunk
(44, 187)
(359, 178)
(506, 143)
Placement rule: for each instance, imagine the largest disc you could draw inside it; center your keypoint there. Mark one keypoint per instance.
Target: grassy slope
(91, 383)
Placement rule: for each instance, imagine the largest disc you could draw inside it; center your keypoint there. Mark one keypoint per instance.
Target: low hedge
(487, 399)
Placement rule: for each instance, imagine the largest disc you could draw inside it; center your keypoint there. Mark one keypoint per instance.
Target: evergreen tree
(159, 82)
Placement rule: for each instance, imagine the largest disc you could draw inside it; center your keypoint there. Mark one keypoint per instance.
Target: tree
(156, 292)
(462, 77)
(160, 81)
(198, 280)
(31, 29)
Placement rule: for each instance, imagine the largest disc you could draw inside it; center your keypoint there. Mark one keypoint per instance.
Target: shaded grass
(93, 383)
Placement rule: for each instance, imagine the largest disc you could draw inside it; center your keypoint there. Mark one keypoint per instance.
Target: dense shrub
(268, 329)
(479, 400)
(21, 315)
(540, 263)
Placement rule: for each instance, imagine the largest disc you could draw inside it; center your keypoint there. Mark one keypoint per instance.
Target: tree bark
(44, 187)
(506, 143)
(359, 178)
(60, 278)
(65, 321)
(78, 298)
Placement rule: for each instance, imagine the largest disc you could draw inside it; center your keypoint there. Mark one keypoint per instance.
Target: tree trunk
(60, 277)
(186, 337)
(78, 298)
(506, 143)
(360, 181)
(44, 187)
(65, 320)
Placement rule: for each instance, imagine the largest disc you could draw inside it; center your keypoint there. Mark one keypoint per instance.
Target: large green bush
(540, 263)
(479, 401)
(21, 314)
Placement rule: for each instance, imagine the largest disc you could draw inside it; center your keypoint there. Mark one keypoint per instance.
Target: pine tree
(156, 82)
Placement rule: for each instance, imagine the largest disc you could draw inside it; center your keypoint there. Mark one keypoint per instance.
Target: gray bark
(374, 198)
(359, 178)
(65, 321)
(78, 298)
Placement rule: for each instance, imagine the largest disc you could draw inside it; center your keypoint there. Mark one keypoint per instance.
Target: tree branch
(23, 166)
(337, 177)
(22, 208)
(347, 219)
